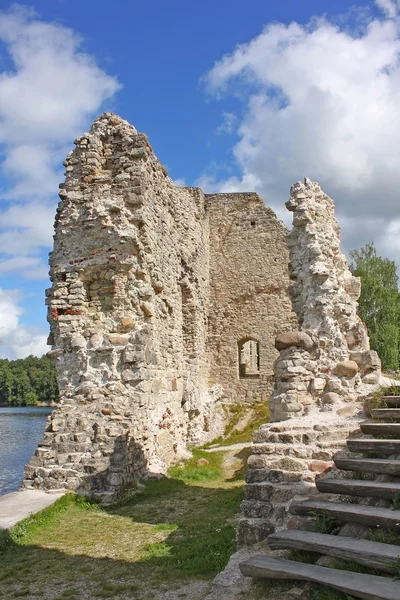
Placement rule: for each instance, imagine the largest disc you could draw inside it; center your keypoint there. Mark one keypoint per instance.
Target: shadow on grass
(158, 538)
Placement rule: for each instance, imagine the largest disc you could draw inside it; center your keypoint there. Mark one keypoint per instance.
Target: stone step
(278, 492)
(256, 509)
(392, 400)
(272, 475)
(369, 516)
(253, 531)
(288, 427)
(296, 450)
(373, 445)
(368, 465)
(352, 487)
(367, 587)
(306, 437)
(380, 556)
(381, 429)
(386, 413)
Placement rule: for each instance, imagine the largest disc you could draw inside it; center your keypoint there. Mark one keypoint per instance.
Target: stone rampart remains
(164, 306)
(327, 360)
(324, 369)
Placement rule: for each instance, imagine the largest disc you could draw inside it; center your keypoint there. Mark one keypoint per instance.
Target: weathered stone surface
(330, 398)
(293, 338)
(347, 368)
(367, 361)
(155, 317)
(252, 532)
(319, 466)
(324, 295)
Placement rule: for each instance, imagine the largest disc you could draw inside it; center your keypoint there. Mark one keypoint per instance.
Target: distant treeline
(28, 381)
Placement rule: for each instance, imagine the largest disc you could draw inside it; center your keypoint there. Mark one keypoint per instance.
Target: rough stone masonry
(327, 360)
(164, 306)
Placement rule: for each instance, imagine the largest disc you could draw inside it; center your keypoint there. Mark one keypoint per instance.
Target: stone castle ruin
(165, 305)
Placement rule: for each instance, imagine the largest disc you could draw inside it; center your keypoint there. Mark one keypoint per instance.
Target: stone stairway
(359, 504)
(286, 458)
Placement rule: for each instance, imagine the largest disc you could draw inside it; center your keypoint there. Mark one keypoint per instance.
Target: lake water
(21, 428)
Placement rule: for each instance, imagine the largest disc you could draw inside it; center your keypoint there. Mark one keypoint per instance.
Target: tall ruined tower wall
(249, 298)
(328, 360)
(153, 287)
(127, 312)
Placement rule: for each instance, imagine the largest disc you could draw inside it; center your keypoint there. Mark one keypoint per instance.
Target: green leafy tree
(379, 304)
(28, 381)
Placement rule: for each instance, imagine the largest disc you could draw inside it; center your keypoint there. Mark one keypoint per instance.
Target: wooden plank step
(386, 413)
(367, 587)
(373, 445)
(392, 400)
(352, 487)
(368, 465)
(370, 516)
(379, 429)
(370, 554)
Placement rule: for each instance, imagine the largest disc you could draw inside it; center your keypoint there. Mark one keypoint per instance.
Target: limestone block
(372, 377)
(133, 375)
(347, 368)
(263, 475)
(319, 466)
(131, 355)
(252, 531)
(357, 337)
(367, 361)
(347, 411)
(127, 324)
(330, 398)
(256, 509)
(78, 341)
(305, 399)
(293, 338)
(318, 384)
(117, 339)
(333, 384)
(96, 340)
(148, 309)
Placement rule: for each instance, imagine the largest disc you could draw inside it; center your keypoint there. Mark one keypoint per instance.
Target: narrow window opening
(249, 358)
(253, 223)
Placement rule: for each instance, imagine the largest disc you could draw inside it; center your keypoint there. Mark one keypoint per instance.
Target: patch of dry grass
(171, 532)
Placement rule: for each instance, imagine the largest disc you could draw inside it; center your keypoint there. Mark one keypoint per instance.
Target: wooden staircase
(359, 505)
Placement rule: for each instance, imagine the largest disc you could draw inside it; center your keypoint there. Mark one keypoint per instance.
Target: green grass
(257, 413)
(190, 473)
(319, 592)
(172, 531)
(377, 401)
(325, 523)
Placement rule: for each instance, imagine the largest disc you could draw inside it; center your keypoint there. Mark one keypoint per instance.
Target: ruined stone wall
(128, 314)
(249, 297)
(164, 305)
(328, 360)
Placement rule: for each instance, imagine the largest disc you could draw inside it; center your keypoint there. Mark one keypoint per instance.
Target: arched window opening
(249, 358)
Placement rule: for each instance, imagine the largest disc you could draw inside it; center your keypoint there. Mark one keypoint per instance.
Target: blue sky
(232, 95)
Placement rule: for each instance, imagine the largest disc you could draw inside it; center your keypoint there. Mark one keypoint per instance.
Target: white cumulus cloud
(323, 102)
(47, 98)
(17, 340)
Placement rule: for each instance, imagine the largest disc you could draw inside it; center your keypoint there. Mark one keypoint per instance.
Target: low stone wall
(285, 460)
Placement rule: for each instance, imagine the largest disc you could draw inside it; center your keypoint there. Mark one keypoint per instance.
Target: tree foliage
(27, 381)
(379, 304)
